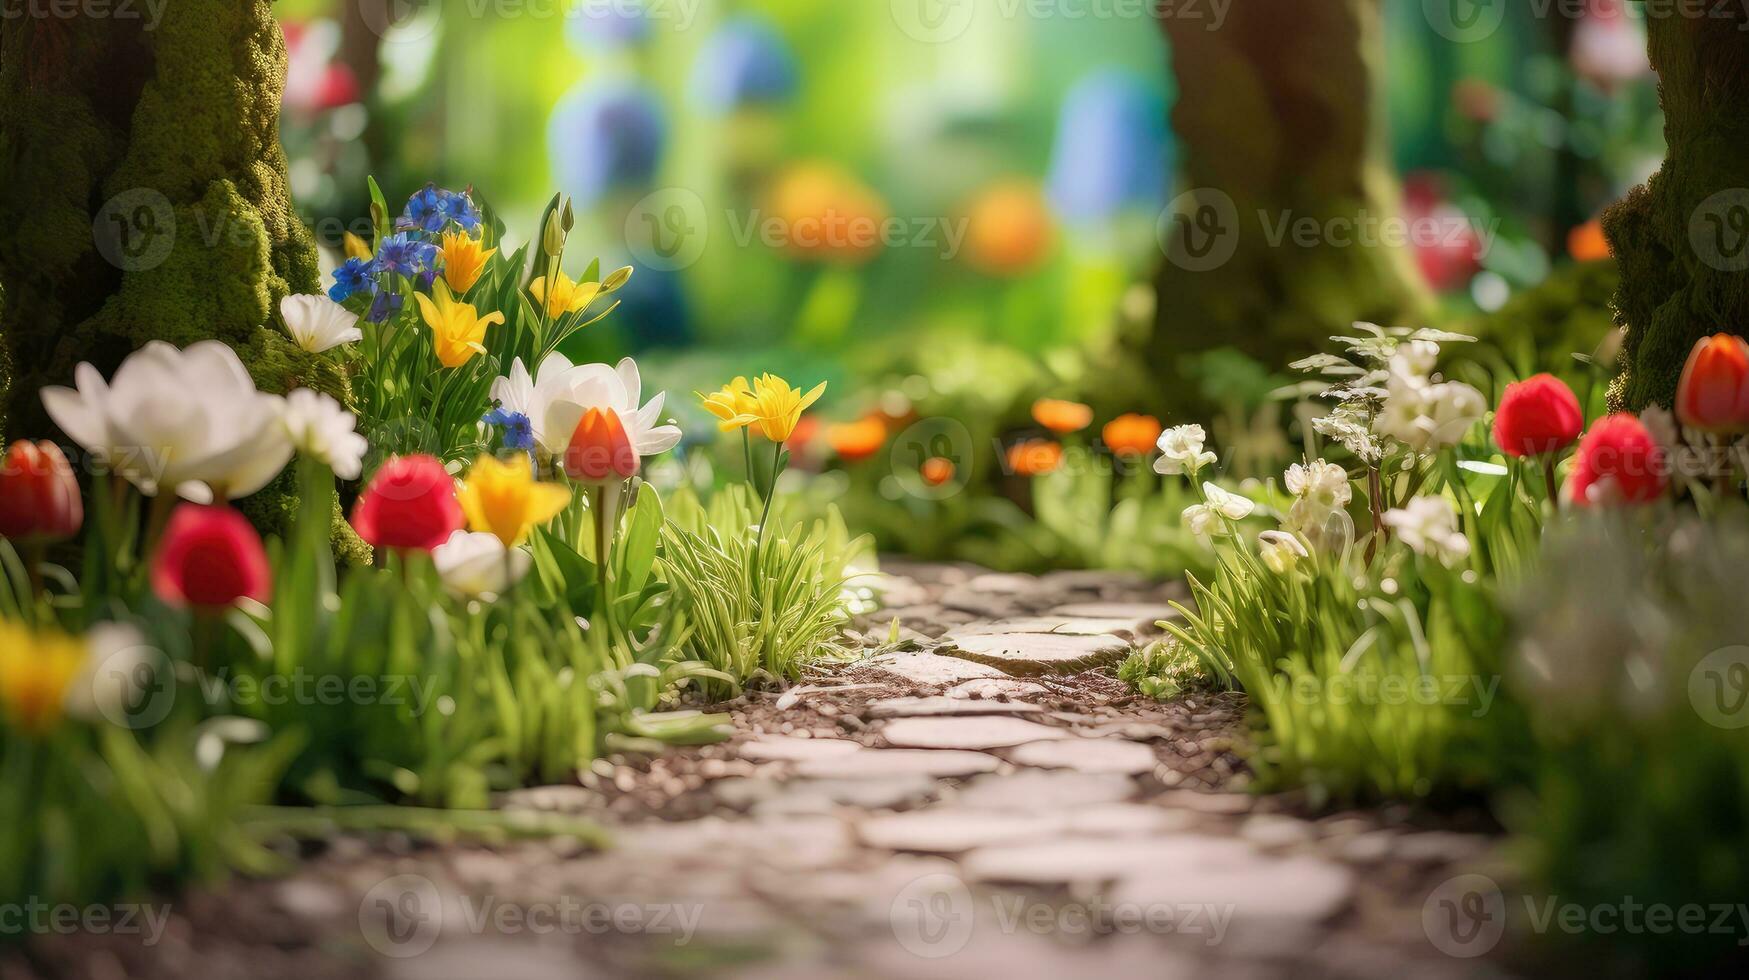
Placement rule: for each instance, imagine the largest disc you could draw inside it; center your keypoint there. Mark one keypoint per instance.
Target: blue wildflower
(407, 256)
(356, 275)
(384, 307)
(424, 211)
(518, 431)
(456, 206)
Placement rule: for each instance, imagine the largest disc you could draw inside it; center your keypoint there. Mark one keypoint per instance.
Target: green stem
(770, 492)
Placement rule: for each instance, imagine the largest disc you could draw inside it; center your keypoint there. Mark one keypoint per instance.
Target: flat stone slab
(1297, 891)
(1047, 623)
(942, 705)
(950, 831)
(1087, 755)
(932, 668)
(788, 748)
(1032, 790)
(1096, 859)
(818, 796)
(997, 688)
(975, 733)
(883, 763)
(1039, 654)
(1142, 617)
(1219, 804)
(1124, 820)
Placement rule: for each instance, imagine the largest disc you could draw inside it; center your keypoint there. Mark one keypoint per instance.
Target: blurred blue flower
(606, 135)
(1113, 150)
(459, 208)
(518, 431)
(653, 309)
(746, 62)
(355, 275)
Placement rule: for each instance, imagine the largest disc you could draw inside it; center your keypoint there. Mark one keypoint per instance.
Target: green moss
(1570, 312)
(179, 126)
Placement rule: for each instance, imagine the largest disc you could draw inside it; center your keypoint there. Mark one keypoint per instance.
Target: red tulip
(600, 451)
(1713, 394)
(1619, 462)
(39, 496)
(210, 557)
(1537, 416)
(409, 503)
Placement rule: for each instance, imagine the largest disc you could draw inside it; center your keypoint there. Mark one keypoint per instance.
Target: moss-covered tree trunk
(1682, 239)
(143, 194)
(1276, 112)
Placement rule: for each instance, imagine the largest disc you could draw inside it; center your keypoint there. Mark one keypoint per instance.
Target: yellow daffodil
(777, 407)
(734, 405)
(457, 329)
(356, 247)
(502, 498)
(36, 670)
(566, 297)
(464, 260)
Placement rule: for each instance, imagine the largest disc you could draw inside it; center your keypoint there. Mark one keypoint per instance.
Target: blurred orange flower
(1034, 457)
(1586, 243)
(1062, 417)
(1009, 230)
(821, 211)
(1131, 434)
(937, 470)
(857, 441)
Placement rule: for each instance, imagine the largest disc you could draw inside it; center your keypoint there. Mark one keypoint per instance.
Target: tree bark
(1276, 111)
(143, 193)
(1682, 239)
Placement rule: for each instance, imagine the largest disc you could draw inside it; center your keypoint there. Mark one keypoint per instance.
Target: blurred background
(954, 207)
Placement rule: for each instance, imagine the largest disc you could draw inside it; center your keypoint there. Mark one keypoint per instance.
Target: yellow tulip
(464, 260)
(36, 669)
(503, 499)
(778, 407)
(566, 297)
(355, 247)
(734, 405)
(457, 329)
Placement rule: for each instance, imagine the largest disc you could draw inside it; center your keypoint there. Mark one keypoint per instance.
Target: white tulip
(477, 566)
(1205, 518)
(186, 420)
(1181, 451)
(318, 323)
(1428, 417)
(556, 398)
(1280, 551)
(1202, 521)
(1321, 481)
(1429, 526)
(322, 430)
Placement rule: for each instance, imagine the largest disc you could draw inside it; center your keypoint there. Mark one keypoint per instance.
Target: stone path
(987, 801)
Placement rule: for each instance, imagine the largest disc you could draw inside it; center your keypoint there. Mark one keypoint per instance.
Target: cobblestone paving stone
(912, 814)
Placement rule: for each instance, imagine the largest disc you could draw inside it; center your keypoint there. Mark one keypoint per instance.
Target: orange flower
(856, 441)
(1009, 230)
(1586, 243)
(1034, 457)
(937, 471)
(1713, 393)
(825, 213)
(1132, 434)
(1062, 417)
(600, 451)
